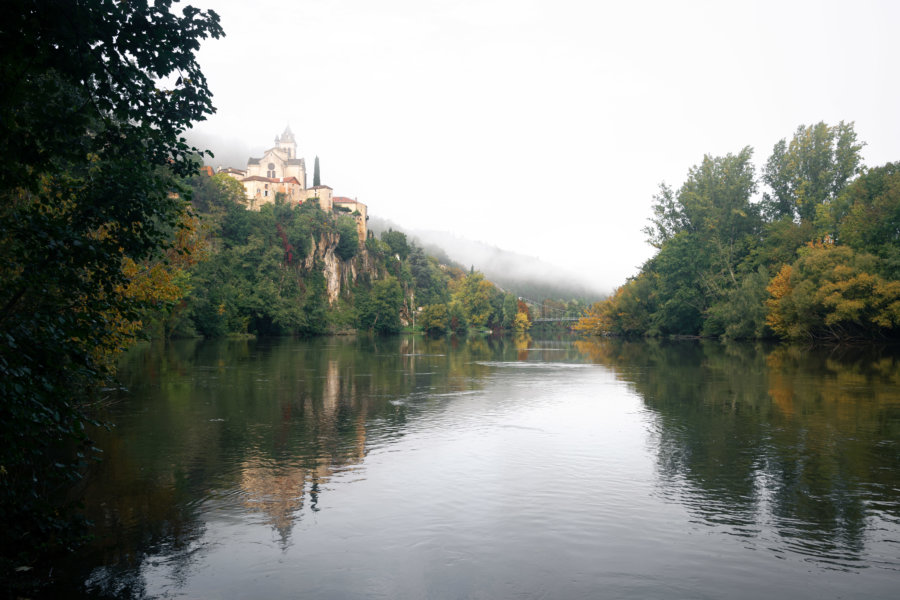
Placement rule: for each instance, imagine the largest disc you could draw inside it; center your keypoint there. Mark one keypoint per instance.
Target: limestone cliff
(339, 274)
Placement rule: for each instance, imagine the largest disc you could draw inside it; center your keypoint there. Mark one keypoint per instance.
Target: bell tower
(287, 143)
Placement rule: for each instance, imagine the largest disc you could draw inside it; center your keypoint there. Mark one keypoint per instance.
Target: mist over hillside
(517, 273)
(229, 152)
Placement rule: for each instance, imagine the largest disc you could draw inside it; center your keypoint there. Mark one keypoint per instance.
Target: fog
(536, 127)
(518, 273)
(503, 266)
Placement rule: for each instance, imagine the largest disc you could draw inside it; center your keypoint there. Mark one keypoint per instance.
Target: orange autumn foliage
(831, 291)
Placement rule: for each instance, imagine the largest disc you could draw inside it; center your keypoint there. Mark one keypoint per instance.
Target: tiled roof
(272, 179)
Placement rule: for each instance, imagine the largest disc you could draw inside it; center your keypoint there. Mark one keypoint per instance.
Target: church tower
(287, 143)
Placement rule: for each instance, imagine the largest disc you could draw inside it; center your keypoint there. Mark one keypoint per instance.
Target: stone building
(281, 171)
(355, 209)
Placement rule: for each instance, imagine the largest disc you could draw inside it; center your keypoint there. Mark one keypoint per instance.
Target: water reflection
(255, 445)
(795, 448)
(260, 427)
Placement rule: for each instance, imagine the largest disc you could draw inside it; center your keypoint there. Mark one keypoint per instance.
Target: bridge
(555, 319)
(547, 314)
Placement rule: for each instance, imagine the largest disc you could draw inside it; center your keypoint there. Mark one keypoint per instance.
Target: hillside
(519, 274)
(295, 268)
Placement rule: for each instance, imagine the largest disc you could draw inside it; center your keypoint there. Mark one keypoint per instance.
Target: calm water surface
(498, 468)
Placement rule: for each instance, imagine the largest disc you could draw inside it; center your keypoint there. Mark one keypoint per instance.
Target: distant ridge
(519, 274)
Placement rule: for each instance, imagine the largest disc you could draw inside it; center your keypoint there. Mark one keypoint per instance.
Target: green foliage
(811, 170)
(435, 319)
(459, 323)
(431, 283)
(717, 249)
(683, 284)
(379, 308)
(741, 313)
(509, 311)
(348, 245)
(89, 144)
(256, 281)
(317, 179)
(396, 241)
(871, 222)
(479, 300)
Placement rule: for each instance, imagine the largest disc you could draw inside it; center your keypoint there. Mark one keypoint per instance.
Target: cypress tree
(316, 179)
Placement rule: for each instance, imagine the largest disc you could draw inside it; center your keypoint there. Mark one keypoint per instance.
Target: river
(496, 468)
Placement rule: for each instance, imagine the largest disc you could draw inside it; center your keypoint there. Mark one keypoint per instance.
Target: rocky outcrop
(339, 274)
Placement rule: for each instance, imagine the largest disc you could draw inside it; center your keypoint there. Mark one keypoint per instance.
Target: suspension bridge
(544, 313)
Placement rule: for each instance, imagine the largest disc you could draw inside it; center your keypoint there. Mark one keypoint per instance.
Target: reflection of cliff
(798, 443)
(278, 488)
(269, 424)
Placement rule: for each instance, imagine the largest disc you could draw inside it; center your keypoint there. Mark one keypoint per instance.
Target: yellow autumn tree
(627, 312)
(831, 291)
(522, 323)
(150, 286)
(593, 321)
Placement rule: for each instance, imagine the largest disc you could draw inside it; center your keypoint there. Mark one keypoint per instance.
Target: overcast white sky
(543, 127)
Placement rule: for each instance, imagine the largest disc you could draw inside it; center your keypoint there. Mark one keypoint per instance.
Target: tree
(317, 180)
(510, 310)
(435, 319)
(379, 310)
(811, 170)
(668, 218)
(397, 242)
(741, 313)
(348, 245)
(716, 204)
(627, 312)
(832, 292)
(94, 99)
(868, 216)
(475, 296)
(703, 233)
(522, 323)
(430, 282)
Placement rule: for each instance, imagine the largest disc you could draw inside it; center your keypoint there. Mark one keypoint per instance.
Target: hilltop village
(281, 171)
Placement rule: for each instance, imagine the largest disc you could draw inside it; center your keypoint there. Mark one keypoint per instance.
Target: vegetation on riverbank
(817, 257)
(94, 99)
(291, 269)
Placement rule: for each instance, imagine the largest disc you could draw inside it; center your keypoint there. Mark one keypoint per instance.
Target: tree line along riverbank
(816, 256)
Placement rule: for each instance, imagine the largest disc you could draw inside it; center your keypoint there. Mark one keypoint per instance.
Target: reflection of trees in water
(227, 427)
(781, 440)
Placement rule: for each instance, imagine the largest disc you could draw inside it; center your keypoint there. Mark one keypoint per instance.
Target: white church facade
(281, 171)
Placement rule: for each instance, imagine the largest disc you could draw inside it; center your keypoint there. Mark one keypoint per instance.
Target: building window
(271, 171)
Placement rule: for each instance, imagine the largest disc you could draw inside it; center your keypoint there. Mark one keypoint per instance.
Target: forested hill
(516, 273)
(817, 256)
(295, 269)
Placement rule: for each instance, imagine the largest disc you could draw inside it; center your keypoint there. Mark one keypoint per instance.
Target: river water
(497, 468)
